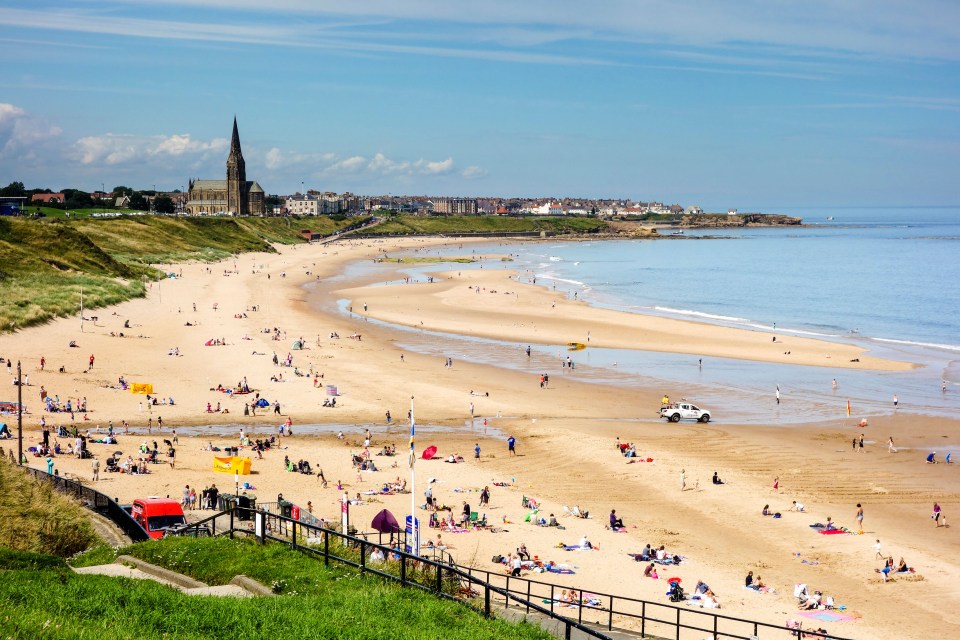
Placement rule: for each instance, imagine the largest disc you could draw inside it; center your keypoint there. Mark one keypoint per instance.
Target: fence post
(567, 631)
(678, 623)
(643, 619)
(231, 524)
(403, 570)
(528, 596)
(486, 599)
(715, 621)
(326, 548)
(610, 619)
(293, 536)
(439, 578)
(363, 556)
(552, 593)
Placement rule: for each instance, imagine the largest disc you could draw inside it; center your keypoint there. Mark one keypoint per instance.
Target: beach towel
(832, 532)
(560, 570)
(579, 548)
(826, 616)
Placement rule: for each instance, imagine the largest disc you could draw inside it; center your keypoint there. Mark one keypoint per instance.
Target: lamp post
(19, 416)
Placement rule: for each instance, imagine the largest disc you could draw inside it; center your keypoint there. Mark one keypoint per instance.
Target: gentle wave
(701, 314)
(931, 345)
(547, 276)
(555, 259)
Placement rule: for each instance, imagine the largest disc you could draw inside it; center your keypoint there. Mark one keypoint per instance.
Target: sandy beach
(259, 304)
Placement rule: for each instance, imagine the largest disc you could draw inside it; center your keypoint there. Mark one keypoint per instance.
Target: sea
(887, 279)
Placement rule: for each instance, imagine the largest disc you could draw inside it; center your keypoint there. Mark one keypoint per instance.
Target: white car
(677, 411)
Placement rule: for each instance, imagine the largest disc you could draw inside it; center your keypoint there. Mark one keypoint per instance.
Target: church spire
(235, 140)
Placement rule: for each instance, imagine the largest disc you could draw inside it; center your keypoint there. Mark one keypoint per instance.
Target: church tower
(236, 176)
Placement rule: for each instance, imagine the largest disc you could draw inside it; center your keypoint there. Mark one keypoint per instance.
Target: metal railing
(95, 501)
(447, 581)
(657, 619)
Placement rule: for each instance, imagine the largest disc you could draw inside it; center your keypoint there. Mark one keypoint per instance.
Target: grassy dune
(404, 225)
(35, 518)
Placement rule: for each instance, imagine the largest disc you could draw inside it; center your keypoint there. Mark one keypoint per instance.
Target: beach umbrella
(429, 452)
(385, 522)
(672, 580)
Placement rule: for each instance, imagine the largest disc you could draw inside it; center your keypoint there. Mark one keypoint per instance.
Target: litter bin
(225, 501)
(285, 508)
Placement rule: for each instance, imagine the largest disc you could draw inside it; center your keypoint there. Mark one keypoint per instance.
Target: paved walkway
(128, 567)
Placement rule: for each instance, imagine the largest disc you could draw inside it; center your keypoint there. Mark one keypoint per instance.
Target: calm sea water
(883, 278)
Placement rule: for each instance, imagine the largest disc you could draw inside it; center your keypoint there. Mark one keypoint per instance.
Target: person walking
(683, 479)
(512, 445)
(476, 451)
(96, 469)
(936, 514)
(778, 394)
(776, 484)
(859, 518)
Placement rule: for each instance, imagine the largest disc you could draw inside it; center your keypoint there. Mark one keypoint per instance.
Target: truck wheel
(675, 417)
(705, 417)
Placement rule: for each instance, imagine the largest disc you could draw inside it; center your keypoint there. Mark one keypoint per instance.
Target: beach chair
(566, 511)
(475, 518)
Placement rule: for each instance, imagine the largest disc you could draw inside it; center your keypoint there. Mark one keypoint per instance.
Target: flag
(413, 455)
(848, 408)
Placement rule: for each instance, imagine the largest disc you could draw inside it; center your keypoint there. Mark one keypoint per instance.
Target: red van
(156, 514)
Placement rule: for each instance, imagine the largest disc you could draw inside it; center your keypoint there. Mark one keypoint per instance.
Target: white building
(313, 204)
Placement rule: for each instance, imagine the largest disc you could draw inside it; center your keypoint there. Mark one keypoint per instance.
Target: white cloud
(22, 133)
(473, 172)
(111, 148)
(887, 28)
(435, 168)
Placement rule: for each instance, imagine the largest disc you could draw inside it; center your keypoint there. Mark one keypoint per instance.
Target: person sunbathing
(812, 602)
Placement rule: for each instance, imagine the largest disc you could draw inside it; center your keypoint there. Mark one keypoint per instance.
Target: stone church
(234, 196)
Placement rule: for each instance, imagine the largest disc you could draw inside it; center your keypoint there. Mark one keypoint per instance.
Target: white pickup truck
(677, 411)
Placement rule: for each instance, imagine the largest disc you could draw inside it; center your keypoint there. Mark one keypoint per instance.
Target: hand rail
(95, 501)
(523, 592)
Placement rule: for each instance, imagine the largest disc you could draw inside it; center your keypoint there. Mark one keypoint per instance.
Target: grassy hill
(36, 519)
(453, 225)
(43, 598)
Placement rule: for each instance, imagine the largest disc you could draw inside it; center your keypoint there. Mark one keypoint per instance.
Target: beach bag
(498, 559)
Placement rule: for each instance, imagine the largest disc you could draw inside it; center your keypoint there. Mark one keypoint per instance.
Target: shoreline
(565, 432)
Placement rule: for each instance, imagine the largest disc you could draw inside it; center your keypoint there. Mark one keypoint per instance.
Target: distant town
(121, 200)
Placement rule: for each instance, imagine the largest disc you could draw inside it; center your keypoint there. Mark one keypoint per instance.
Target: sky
(750, 104)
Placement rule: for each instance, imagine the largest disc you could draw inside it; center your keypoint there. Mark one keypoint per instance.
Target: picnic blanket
(576, 547)
(560, 570)
(832, 532)
(827, 616)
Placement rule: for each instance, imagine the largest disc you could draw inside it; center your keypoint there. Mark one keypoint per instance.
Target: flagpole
(413, 488)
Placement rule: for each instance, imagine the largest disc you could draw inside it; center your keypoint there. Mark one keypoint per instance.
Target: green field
(454, 225)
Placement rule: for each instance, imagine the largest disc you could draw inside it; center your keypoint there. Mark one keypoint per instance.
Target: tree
(164, 204)
(13, 190)
(76, 199)
(138, 202)
(122, 191)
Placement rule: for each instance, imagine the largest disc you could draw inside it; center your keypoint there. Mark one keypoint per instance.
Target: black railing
(410, 570)
(95, 501)
(612, 611)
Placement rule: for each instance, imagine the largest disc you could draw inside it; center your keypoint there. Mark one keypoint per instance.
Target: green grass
(35, 518)
(314, 601)
(403, 225)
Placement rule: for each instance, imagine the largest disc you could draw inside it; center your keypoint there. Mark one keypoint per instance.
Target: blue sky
(749, 104)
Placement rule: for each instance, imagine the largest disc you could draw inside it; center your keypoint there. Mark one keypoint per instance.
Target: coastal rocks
(722, 220)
